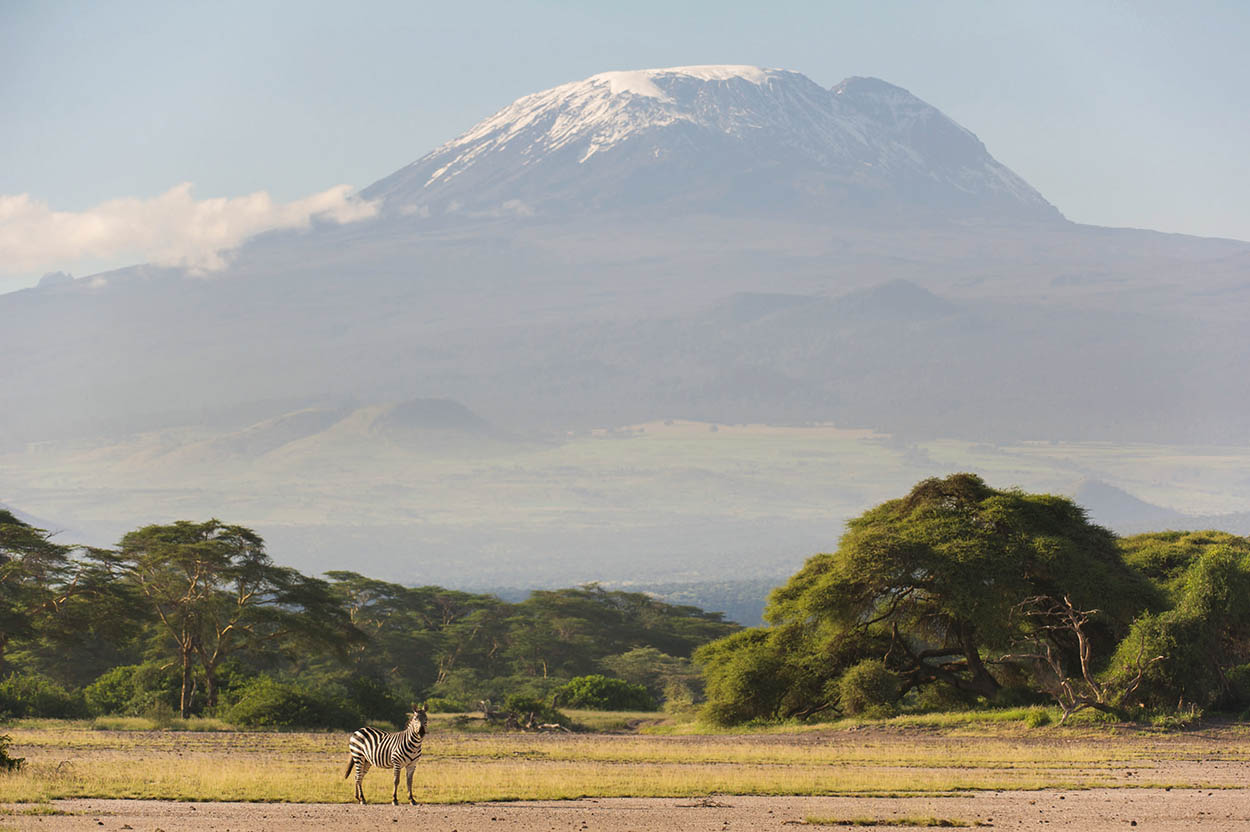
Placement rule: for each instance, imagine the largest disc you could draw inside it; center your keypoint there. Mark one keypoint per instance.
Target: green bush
(1238, 688)
(748, 678)
(155, 688)
(868, 687)
(679, 695)
(375, 699)
(112, 691)
(34, 695)
(267, 703)
(1037, 717)
(442, 705)
(1202, 639)
(940, 698)
(660, 673)
(522, 707)
(602, 693)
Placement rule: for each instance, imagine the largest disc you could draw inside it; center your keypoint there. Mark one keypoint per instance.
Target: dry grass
(142, 723)
(68, 760)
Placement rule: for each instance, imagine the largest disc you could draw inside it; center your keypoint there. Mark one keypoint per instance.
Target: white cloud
(173, 229)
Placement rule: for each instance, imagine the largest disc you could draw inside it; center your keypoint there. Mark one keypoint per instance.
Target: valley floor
(1005, 775)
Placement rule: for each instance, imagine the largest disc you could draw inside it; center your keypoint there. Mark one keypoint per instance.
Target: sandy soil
(1093, 810)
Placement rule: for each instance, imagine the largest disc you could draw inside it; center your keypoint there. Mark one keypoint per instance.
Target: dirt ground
(1091, 810)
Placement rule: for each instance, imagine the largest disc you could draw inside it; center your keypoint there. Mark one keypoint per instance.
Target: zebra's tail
(350, 765)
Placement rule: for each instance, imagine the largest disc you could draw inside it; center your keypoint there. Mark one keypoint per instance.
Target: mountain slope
(726, 139)
(720, 243)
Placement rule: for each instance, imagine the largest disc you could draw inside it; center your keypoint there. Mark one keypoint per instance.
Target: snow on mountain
(729, 139)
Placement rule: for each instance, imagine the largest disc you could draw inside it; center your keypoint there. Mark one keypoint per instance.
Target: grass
(142, 723)
(39, 809)
(993, 720)
(82, 760)
(907, 821)
(601, 721)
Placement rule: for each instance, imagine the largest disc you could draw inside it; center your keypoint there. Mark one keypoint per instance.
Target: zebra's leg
(395, 794)
(411, 799)
(361, 767)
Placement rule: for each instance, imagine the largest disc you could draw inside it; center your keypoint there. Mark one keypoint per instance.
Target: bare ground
(1091, 810)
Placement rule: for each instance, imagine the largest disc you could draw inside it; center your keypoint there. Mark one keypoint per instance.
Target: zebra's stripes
(397, 750)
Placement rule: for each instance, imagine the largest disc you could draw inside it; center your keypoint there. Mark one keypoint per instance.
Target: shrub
(868, 686)
(154, 689)
(112, 691)
(161, 713)
(34, 695)
(374, 699)
(267, 703)
(658, 672)
(442, 705)
(940, 698)
(601, 693)
(679, 695)
(747, 678)
(1201, 640)
(1238, 688)
(523, 708)
(8, 763)
(1037, 717)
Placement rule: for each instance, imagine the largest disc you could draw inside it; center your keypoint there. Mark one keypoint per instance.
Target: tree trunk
(982, 682)
(184, 704)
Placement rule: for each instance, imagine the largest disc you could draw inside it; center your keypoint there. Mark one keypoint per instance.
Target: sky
(137, 131)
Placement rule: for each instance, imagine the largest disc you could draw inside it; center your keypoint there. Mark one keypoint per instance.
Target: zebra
(401, 749)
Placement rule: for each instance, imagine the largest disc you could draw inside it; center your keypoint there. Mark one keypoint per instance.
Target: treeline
(960, 595)
(957, 595)
(196, 619)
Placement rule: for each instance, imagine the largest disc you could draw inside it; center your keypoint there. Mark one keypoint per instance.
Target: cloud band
(172, 229)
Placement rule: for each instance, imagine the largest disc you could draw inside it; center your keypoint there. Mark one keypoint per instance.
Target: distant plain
(667, 501)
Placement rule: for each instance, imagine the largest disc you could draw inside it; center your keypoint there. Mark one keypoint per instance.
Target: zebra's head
(417, 721)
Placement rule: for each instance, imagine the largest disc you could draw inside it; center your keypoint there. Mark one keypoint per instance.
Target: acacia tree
(37, 578)
(942, 568)
(928, 583)
(215, 591)
(419, 635)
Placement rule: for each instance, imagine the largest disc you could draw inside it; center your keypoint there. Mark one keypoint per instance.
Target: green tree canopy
(37, 578)
(930, 584)
(1204, 634)
(419, 636)
(215, 591)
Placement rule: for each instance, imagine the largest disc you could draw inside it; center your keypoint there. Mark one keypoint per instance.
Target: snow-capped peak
(642, 81)
(603, 141)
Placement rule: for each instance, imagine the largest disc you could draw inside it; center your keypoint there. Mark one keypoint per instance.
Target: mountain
(448, 390)
(736, 140)
(1124, 513)
(567, 262)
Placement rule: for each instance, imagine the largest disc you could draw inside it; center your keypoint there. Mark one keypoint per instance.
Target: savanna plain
(634, 772)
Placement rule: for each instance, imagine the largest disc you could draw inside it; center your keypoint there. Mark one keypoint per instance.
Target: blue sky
(1120, 113)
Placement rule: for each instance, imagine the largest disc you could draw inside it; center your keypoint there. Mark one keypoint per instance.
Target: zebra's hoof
(395, 802)
(413, 801)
